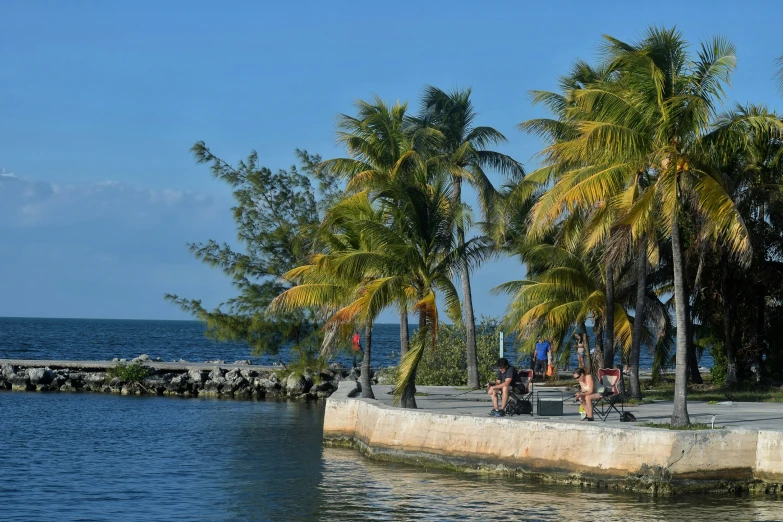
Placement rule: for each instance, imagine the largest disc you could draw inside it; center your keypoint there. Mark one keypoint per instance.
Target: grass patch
(637, 402)
(422, 394)
(714, 392)
(690, 427)
(135, 372)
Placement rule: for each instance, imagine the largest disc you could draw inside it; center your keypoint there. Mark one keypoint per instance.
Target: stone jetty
(213, 379)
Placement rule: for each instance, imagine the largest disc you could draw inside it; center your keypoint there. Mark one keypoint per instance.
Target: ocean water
(95, 457)
(105, 339)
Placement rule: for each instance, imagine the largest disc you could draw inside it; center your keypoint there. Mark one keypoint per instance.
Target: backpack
(524, 407)
(627, 417)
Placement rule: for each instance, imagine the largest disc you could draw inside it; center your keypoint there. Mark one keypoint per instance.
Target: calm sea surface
(93, 457)
(105, 339)
(81, 456)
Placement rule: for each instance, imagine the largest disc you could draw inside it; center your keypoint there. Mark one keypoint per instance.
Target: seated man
(506, 376)
(587, 393)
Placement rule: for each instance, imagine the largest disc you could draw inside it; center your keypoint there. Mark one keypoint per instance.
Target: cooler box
(549, 404)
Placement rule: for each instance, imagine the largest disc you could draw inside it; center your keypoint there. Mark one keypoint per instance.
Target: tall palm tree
(574, 177)
(415, 248)
(464, 156)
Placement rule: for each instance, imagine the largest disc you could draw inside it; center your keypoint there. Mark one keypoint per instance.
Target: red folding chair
(609, 380)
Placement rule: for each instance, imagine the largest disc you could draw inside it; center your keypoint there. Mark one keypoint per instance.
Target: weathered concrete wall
(769, 456)
(589, 450)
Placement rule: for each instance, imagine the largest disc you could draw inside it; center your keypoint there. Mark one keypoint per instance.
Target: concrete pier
(451, 429)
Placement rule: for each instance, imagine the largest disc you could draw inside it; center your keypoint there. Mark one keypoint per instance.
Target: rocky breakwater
(196, 380)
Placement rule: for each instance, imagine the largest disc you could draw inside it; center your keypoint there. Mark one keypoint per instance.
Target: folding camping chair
(613, 396)
(520, 396)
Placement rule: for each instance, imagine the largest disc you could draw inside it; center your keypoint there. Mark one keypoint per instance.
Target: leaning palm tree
(464, 156)
(381, 151)
(563, 289)
(428, 252)
(326, 285)
(413, 256)
(578, 179)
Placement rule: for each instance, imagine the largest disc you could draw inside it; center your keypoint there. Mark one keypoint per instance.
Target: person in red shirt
(357, 347)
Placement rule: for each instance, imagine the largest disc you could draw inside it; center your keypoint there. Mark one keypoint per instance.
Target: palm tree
(565, 287)
(341, 294)
(656, 115)
(415, 249)
(576, 177)
(380, 150)
(653, 116)
(464, 156)
(749, 150)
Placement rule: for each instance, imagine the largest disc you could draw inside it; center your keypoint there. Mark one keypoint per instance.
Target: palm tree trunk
(693, 363)
(408, 399)
(680, 411)
(761, 306)
(731, 370)
(609, 348)
(467, 296)
(404, 336)
(638, 323)
(695, 293)
(365, 378)
(470, 323)
(588, 362)
(598, 329)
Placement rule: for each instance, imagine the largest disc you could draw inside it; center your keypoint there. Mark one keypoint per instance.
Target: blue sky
(100, 102)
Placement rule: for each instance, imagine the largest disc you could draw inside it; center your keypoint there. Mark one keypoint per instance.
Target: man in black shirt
(504, 381)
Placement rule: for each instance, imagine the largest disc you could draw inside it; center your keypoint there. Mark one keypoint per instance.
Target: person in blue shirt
(541, 357)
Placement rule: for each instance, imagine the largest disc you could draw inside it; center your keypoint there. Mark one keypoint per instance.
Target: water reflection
(357, 488)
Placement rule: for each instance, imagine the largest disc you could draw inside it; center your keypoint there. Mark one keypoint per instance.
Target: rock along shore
(239, 380)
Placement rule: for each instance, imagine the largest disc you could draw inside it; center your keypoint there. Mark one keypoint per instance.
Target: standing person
(580, 349)
(357, 347)
(541, 357)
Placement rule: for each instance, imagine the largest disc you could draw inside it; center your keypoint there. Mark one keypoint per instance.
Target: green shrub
(446, 365)
(135, 372)
(720, 362)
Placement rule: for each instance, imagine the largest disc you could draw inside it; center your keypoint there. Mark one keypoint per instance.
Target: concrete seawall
(655, 460)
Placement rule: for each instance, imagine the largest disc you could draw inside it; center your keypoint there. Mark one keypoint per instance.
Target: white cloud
(29, 203)
(106, 249)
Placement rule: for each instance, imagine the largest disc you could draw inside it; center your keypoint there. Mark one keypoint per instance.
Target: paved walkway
(744, 415)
